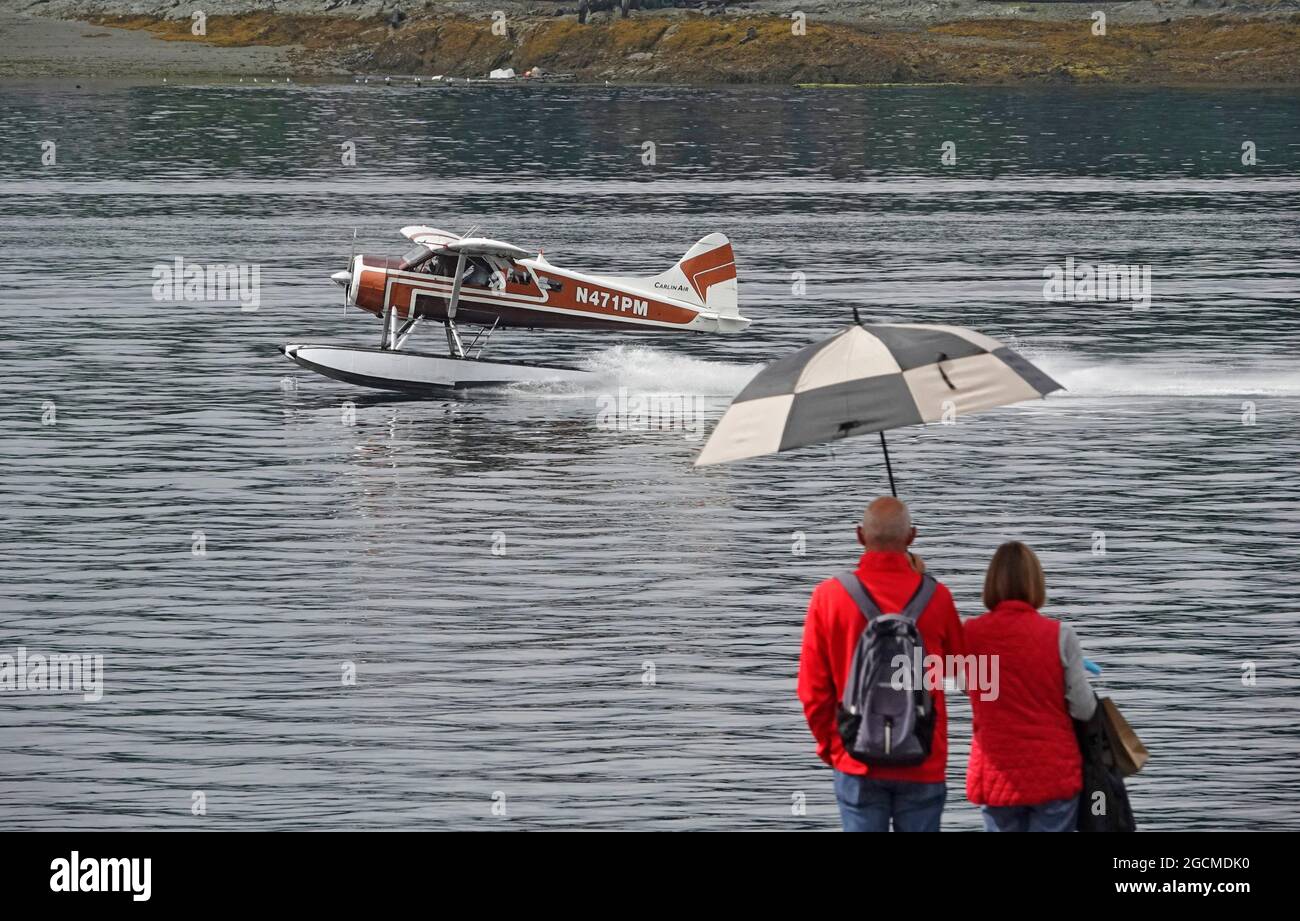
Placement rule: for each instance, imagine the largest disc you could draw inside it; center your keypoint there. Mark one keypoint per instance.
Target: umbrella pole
(889, 469)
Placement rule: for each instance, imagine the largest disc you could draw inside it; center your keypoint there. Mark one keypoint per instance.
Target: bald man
(871, 797)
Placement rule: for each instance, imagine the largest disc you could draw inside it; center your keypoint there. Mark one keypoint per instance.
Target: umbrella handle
(888, 467)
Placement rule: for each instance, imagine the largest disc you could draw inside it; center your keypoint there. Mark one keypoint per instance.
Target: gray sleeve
(1079, 697)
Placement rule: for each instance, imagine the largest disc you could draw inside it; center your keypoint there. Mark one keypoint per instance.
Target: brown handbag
(1130, 753)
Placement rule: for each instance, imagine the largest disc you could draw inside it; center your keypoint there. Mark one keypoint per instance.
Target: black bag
(884, 721)
(1103, 801)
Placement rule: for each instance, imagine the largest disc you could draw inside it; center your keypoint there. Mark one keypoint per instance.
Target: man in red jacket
(870, 797)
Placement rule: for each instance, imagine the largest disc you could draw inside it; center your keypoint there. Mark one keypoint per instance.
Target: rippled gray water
(524, 672)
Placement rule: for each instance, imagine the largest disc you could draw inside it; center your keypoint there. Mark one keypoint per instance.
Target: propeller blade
(352, 258)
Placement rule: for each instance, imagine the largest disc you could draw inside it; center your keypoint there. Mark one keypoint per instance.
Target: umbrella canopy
(869, 379)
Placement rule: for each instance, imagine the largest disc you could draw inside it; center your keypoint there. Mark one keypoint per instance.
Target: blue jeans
(868, 805)
(1054, 815)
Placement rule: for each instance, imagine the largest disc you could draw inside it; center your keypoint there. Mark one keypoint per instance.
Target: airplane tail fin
(707, 275)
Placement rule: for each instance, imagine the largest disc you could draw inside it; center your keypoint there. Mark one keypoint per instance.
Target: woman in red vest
(1025, 768)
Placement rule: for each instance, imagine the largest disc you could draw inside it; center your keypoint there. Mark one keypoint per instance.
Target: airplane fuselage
(529, 293)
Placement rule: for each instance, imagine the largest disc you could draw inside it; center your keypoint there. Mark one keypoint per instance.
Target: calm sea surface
(564, 617)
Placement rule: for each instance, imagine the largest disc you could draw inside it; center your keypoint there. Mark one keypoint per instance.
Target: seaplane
(457, 281)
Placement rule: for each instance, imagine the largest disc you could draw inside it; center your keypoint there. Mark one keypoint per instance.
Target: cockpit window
(478, 273)
(416, 257)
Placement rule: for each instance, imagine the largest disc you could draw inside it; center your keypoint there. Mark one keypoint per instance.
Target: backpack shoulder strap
(858, 592)
(921, 599)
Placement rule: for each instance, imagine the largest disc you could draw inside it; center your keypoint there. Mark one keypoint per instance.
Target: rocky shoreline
(1180, 42)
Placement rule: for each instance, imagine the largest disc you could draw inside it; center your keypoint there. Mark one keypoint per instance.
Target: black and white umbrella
(870, 378)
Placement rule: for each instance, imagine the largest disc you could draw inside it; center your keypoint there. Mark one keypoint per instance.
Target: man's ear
(911, 536)
(862, 540)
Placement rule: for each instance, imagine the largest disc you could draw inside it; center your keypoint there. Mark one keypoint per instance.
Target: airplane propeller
(344, 279)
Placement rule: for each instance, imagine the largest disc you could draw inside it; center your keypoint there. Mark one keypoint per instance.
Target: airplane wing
(481, 246)
(431, 237)
(442, 241)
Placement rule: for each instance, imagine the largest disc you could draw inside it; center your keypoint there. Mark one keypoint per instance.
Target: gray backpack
(883, 720)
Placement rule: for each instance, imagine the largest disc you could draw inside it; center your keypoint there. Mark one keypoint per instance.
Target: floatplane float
(460, 281)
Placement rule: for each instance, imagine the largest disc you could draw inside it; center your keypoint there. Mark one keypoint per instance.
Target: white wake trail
(1168, 374)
